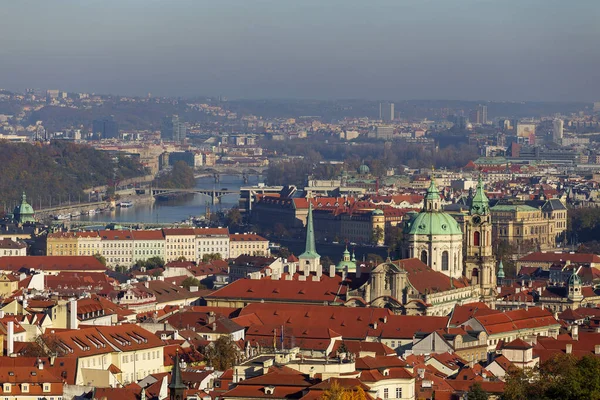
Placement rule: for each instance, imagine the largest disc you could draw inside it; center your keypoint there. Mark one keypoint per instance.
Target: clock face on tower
(477, 219)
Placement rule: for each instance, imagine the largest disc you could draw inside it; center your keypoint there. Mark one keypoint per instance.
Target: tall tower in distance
(482, 117)
(386, 111)
(173, 130)
(557, 130)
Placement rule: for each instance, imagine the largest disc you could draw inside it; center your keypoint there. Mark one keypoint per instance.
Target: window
(424, 256)
(398, 393)
(445, 261)
(386, 393)
(476, 238)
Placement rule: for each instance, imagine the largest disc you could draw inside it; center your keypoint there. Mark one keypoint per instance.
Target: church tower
(310, 260)
(176, 387)
(480, 265)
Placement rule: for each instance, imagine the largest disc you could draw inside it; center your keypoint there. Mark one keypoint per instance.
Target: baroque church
(441, 265)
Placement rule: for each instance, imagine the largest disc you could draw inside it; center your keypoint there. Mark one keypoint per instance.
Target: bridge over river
(214, 194)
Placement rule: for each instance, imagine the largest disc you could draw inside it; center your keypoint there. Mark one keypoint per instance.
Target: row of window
(386, 393)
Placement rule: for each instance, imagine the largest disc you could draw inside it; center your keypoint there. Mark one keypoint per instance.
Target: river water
(180, 208)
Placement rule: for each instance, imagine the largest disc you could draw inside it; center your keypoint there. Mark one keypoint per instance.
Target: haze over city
(464, 49)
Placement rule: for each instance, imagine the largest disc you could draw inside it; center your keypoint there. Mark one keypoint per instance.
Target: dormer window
(25, 387)
(386, 372)
(46, 387)
(269, 389)
(6, 387)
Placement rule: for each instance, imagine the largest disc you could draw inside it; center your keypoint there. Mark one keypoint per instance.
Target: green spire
(480, 203)
(353, 256)
(500, 273)
(176, 382)
(432, 201)
(310, 251)
(346, 256)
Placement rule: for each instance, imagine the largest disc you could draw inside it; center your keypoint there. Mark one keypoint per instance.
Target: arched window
(445, 266)
(476, 238)
(424, 256)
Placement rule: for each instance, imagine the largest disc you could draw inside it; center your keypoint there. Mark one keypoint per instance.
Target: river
(179, 208)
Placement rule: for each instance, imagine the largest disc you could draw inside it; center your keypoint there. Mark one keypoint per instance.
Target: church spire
(432, 201)
(176, 387)
(310, 247)
(500, 273)
(480, 204)
(310, 259)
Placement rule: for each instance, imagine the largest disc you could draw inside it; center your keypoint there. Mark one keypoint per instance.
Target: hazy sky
(325, 49)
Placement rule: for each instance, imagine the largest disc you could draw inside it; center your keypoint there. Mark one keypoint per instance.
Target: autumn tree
(477, 393)
(339, 392)
(211, 257)
(191, 281)
(221, 354)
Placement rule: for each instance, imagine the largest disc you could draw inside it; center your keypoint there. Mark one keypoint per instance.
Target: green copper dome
(432, 220)
(434, 223)
(24, 212)
(346, 263)
(364, 169)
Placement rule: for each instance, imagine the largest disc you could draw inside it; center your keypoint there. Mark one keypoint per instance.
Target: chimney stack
(575, 332)
(569, 348)
(331, 271)
(10, 340)
(73, 321)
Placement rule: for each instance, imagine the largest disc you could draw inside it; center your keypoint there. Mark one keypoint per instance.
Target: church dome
(434, 223)
(24, 212)
(364, 169)
(432, 220)
(346, 263)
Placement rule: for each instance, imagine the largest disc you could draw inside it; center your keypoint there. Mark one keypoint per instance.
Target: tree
(234, 217)
(284, 252)
(375, 258)
(191, 281)
(43, 346)
(211, 257)
(338, 392)
(477, 393)
(221, 354)
(377, 235)
(100, 258)
(181, 176)
(562, 377)
(279, 230)
(326, 262)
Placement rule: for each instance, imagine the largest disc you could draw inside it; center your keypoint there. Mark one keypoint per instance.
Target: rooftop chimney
(331, 271)
(569, 348)
(575, 332)
(73, 321)
(10, 339)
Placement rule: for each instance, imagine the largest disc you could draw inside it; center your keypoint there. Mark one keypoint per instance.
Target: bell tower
(480, 264)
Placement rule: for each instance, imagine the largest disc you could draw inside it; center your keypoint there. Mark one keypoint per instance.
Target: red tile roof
(148, 235)
(51, 263)
(246, 237)
(561, 257)
(534, 317)
(425, 279)
(309, 291)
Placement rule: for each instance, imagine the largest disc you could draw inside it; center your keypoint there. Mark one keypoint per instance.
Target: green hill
(57, 170)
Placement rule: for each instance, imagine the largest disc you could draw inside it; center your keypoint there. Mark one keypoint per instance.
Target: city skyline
(499, 52)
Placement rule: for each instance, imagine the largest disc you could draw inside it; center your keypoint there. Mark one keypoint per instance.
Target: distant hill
(58, 170)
